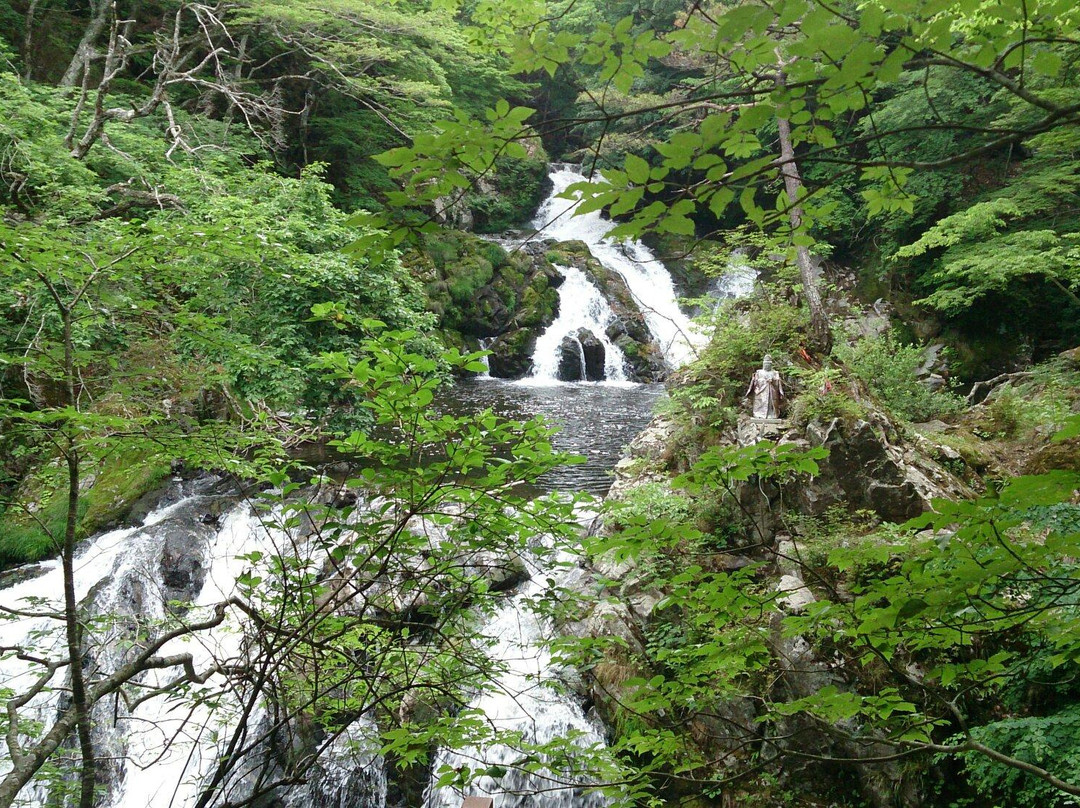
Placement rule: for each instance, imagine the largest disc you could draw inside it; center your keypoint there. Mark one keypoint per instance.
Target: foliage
(715, 382)
(117, 481)
(1047, 741)
(890, 369)
(915, 662)
(824, 396)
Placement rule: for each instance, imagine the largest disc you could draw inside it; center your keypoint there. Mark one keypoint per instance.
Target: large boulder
(871, 467)
(571, 363)
(482, 292)
(511, 353)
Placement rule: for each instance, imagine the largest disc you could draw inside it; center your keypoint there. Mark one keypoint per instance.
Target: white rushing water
(737, 281)
(581, 306)
(109, 558)
(160, 754)
(522, 699)
(647, 278)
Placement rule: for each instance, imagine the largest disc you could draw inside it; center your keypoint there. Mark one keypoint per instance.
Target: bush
(889, 368)
(1050, 741)
(823, 398)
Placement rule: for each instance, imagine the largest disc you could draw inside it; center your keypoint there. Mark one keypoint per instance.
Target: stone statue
(767, 390)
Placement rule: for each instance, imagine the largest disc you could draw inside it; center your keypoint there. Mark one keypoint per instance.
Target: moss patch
(114, 485)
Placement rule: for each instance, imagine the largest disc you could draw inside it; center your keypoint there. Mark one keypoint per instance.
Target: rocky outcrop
(482, 292)
(502, 199)
(871, 467)
(581, 357)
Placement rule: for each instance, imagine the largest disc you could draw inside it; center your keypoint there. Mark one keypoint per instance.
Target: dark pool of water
(594, 420)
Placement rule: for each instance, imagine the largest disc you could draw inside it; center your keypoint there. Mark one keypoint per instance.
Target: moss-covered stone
(480, 291)
(512, 195)
(31, 531)
(1063, 456)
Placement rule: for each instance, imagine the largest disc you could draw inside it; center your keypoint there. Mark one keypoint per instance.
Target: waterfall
(119, 565)
(648, 280)
(737, 281)
(522, 699)
(581, 306)
(159, 754)
(484, 360)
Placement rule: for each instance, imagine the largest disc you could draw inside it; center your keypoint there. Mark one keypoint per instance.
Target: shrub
(823, 397)
(889, 368)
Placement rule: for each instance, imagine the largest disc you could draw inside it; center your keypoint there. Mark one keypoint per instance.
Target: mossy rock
(1064, 456)
(110, 490)
(511, 353)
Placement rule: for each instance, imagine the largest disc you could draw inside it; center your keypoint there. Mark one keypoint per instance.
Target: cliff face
(772, 534)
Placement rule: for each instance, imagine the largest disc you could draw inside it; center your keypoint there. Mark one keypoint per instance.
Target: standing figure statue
(767, 390)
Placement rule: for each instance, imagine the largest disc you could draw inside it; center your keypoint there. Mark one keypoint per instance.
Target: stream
(188, 548)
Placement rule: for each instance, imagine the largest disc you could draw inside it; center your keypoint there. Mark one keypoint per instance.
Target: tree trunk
(88, 767)
(99, 12)
(819, 320)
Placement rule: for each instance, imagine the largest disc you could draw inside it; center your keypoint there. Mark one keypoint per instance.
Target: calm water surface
(595, 420)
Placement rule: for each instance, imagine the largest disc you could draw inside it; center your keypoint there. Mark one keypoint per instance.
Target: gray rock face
(581, 357)
(870, 466)
(861, 472)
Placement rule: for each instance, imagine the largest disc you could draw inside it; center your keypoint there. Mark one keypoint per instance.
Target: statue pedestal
(753, 430)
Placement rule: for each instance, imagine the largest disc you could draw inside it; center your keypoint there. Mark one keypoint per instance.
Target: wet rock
(511, 353)
(571, 360)
(183, 552)
(581, 357)
(593, 350)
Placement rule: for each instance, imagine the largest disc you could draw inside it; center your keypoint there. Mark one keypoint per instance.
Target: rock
(593, 349)
(1064, 455)
(511, 353)
(581, 357)
(794, 594)
(860, 472)
(934, 382)
(571, 362)
(754, 430)
(182, 561)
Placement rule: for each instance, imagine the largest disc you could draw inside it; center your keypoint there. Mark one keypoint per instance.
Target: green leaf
(637, 169)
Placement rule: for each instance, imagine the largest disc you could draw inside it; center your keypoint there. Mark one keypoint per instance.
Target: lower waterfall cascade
(161, 753)
(581, 306)
(522, 700)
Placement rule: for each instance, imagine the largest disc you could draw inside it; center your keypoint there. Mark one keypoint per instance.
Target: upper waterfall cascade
(647, 278)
